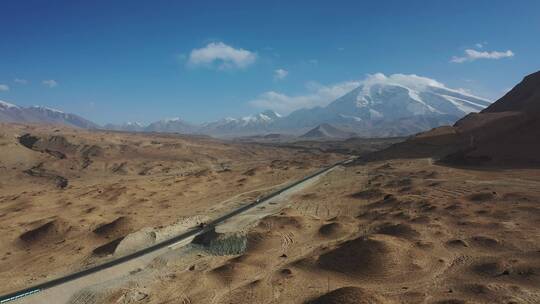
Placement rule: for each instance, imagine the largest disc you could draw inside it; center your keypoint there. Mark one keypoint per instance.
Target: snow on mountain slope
(10, 112)
(399, 96)
(255, 124)
(504, 134)
(46, 109)
(173, 125)
(48, 115)
(262, 118)
(393, 102)
(38, 114)
(395, 105)
(6, 105)
(128, 126)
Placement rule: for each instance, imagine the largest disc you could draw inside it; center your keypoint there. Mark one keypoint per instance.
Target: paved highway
(34, 290)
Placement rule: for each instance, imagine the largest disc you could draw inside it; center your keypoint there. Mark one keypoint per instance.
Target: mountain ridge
(39, 114)
(381, 106)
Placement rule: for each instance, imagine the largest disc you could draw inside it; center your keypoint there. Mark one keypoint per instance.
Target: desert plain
(383, 231)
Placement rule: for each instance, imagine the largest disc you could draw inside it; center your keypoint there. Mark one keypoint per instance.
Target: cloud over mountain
(317, 95)
(322, 95)
(222, 56)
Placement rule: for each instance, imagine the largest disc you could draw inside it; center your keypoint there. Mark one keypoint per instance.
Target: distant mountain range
(399, 105)
(37, 114)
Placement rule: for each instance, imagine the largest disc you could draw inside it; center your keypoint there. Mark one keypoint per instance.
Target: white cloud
(408, 80)
(4, 88)
(472, 55)
(318, 95)
(221, 55)
(20, 81)
(479, 45)
(51, 83)
(280, 74)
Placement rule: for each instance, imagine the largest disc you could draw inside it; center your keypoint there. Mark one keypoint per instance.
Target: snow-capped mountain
(127, 126)
(6, 105)
(10, 112)
(172, 125)
(253, 124)
(38, 114)
(390, 106)
(169, 125)
(391, 98)
(48, 115)
(395, 105)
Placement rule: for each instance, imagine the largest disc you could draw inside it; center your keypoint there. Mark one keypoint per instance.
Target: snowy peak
(127, 126)
(134, 124)
(380, 105)
(6, 105)
(261, 118)
(46, 109)
(254, 124)
(175, 125)
(169, 120)
(395, 105)
(39, 114)
(399, 96)
(270, 114)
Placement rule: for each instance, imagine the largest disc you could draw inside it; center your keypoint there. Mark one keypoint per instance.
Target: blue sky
(115, 61)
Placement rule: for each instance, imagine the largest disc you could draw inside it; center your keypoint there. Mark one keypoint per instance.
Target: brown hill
(326, 131)
(523, 97)
(504, 134)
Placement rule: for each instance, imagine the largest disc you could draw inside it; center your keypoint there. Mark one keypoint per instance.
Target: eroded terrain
(403, 231)
(70, 198)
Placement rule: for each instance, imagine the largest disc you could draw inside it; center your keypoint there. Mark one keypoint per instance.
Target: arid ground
(390, 231)
(69, 197)
(402, 231)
